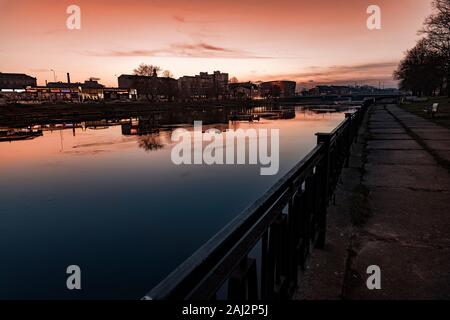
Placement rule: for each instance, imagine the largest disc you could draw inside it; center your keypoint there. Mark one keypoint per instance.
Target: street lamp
(54, 74)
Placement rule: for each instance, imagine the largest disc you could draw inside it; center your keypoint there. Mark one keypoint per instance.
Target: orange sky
(325, 41)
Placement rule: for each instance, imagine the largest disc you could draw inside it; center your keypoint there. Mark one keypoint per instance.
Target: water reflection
(150, 142)
(104, 194)
(10, 134)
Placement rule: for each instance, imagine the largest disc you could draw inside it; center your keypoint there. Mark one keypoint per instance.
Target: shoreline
(20, 115)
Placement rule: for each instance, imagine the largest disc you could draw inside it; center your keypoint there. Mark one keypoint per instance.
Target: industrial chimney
(68, 77)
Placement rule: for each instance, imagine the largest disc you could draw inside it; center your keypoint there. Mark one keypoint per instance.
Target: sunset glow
(323, 41)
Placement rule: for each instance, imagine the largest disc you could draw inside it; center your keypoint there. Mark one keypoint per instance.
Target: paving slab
(440, 131)
(420, 177)
(438, 144)
(394, 145)
(444, 155)
(403, 157)
(408, 271)
(432, 135)
(410, 216)
(422, 126)
(389, 130)
(382, 119)
(391, 136)
(383, 123)
(380, 125)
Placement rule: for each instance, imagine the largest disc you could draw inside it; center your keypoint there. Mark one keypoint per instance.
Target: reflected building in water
(9, 135)
(140, 126)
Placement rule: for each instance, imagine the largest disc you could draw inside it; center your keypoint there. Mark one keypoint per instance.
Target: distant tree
(437, 30)
(146, 86)
(421, 70)
(425, 70)
(234, 80)
(167, 74)
(146, 70)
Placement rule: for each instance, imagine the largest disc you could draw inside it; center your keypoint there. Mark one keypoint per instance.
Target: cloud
(197, 29)
(342, 74)
(200, 46)
(179, 19)
(190, 50)
(37, 70)
(339, 70)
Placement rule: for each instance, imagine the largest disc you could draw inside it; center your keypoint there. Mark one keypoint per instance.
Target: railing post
(349, 138)
(243, 285)
(325, 139)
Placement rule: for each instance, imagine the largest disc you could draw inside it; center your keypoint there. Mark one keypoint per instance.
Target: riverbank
(391, 211)
(22, 115)
(442, 117)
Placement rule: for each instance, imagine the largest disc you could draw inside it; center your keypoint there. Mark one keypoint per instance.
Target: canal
(105, 195)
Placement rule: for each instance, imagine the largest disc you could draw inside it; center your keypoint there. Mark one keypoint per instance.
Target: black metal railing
(259, 253)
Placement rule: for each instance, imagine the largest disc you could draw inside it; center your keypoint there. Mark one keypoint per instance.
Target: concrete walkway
(408, 233)
(393, 211)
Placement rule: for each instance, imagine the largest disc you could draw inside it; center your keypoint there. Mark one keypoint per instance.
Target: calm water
(115, 204)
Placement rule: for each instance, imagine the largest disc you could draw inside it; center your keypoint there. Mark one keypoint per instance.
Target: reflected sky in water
(118, 207)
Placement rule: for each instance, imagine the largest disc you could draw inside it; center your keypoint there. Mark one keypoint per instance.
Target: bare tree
(421, 70)
(146, 70)
(167, 74)
(425, 70)
(234, 80)
(437, 31)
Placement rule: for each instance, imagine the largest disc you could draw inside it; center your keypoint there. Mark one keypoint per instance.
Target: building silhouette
(278, 89)
(152, 88)
(15, 81)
